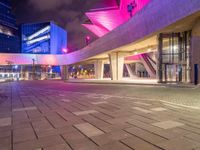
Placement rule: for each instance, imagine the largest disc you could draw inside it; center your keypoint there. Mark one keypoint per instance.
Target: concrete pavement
(53, 115)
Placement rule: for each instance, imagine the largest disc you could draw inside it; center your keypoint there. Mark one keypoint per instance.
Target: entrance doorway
(171, 73)
(174, 57)
(175, 73)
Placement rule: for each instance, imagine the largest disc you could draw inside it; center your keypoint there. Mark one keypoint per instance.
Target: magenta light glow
(87, 37)
(99, 31)
(133, 57)
(65, 50)
(125, 3)
(107, 19)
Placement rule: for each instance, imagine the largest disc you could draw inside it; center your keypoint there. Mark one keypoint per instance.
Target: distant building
(9, 39)
(43, 38)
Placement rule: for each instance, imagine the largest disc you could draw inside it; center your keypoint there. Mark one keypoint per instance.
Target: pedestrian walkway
(52, 116)
(128, 81)
(138, 81)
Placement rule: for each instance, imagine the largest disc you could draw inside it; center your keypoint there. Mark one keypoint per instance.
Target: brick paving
(50, 115)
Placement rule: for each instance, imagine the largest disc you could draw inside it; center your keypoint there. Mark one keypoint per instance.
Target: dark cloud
(67, 13)
(45, 5)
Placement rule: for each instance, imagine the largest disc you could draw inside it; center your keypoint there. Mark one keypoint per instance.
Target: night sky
(67, 13)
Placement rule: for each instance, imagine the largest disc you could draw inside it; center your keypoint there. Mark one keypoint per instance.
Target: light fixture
(64, 50)
(149, 49)
(16, 66)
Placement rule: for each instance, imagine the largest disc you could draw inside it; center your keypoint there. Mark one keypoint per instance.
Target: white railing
(9, 76)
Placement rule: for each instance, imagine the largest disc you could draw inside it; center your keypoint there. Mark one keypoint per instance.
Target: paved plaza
(55, 115)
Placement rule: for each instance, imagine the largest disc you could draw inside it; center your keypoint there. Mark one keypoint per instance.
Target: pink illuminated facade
(113, 15)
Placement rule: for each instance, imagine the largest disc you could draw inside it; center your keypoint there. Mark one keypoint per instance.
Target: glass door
(171, 73)
(174, 57)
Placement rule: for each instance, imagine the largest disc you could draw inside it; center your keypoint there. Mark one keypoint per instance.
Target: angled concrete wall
(132, 73)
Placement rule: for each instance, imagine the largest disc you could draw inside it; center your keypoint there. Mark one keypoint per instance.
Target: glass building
(9, 39)
(43, 38)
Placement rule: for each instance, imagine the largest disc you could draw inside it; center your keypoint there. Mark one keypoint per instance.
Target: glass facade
(36, 38)
(174, 57)
(9, 39)
(43, 38)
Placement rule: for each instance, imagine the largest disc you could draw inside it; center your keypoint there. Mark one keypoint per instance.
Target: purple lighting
(106, 19)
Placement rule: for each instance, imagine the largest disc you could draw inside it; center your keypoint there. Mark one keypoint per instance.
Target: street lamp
(16, 67)
(33, 69)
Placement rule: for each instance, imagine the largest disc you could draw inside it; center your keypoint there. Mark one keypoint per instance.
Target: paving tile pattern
(35, 117)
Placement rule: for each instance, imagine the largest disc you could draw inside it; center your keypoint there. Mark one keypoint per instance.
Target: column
(136, 69)
(195, 51)
(21, 72)
(44, 73)
(64, 72)
(116, 65)
(159, 71)
(99, 69)
(27, 73)
(130, 71)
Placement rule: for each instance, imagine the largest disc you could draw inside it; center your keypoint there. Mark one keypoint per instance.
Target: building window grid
(175, 54)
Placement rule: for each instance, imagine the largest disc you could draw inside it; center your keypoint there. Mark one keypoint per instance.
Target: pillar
(195, 51)
(27, 74)
(159, 70)
(99, 69)
(116, 65)
(130, 71)
(44, 73)
(64, 72)
(22, 72)
(136, 69)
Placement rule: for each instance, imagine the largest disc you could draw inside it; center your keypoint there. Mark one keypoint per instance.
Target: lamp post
(33, 69)
(131, 7)
(10, 63)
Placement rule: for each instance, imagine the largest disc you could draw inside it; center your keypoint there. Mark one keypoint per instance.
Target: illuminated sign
(38, 39)
(36, 34)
